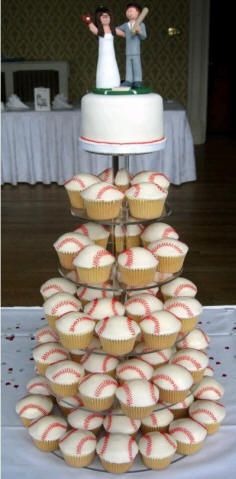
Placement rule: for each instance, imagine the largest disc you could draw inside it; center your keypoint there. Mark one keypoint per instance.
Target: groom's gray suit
(133, 59)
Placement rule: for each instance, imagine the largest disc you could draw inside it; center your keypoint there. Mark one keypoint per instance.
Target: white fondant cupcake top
(172, 377)
(117, 448)
(57, 285)
(209, 371)
(183, 307)
(49, 428)
(187, 431)
(146, 191)
(209, 389)
(107, 175)
(159, 323)
(161, 417)
(78, 443)
(183, 404)
(61, 303)
(88, 294)
(81, 181)
(143, 305)
(134, 230)
(71, 243)
(117, 328)
(96, 362)
(82, 419)
(157, 445)
(137, 258)
(122, 177)
(138, 393)
(150, 288)
(157, 231)
(134, 369)
(118, 423)
(49, 353)
(179, 287)
(98, 386)
(46, 335)
(38, 385)
(69, 402)
(151, 177)
(104, 308)
(93, 231)
(154, 358)
(102, 192)
(75, 324)
(196, 339)
(168, 248)
(191, 359)
(65, 372)
(34, 406)
(207, 412)
(93, 256)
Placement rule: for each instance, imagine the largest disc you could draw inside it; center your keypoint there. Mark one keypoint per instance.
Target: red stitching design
(130, 444)
(180, 305)
(49, 429)
(168, 438)
(152, 392)
(93, 305)
(66, 371)
(163, 244)
(204, 411)
(76, 241)
(103, 190)
(154, 175)
(129, 258)
(185, 431)
(131, 367)
(99, 255)
(186, 357)
(53, 286)
(82, 442)
(103, 326)
(46, 355)
(84, 229)
(46, 331)
(133, 423)
(156, 323)
(208, 388)
(162, 355)
(64, 303)
(131, 329)
(136, 190)
(143, 302)
(77, 180)
(149, 444)
(105, 363)
(68, 435)
(128, 393)
(77, 321)
(33, 406)
(179, 288)
(106, 174)
(154, 420)
(103, 385)
(114, 303)
(166, 378)
(167, 231)
(35, 385)
(89, 418)
(105, 444)
(108, 423)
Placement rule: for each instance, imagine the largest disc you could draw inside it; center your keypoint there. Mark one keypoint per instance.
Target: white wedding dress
(107, 70)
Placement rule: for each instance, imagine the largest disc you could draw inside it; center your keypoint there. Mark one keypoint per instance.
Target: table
(44, 147)
(22, 460)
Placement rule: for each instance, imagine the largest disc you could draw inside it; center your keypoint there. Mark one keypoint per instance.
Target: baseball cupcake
(196, 339)
(94, 264)
(102, 201)
(104, 308)
(170, 254)
(47, 354)
(97, 391)
(193, 360)
(87, 294)
(159, 420)
(133, 369)
(137, 266)
(118, 423)
(107, 175)
(146, 200)
(57, 285)
(208, 389)
(157, 449)
(117, 452)
(179, 287)
(38, 385)
(75, 330)
(47, 431)
(64, 377)
(59, 304)
(69, 404)
(88, 421)
(160, 330)
(32, 407)
(78, 447)
(154, 358)
(209, 414)
(137, 398)
(97, 362)
(189, 435)
(173, 381)
(155, 177)
(97, 233)
(68, 246)
(187, 310)
(46, 335)
(142, 305)
(117, 334)
(75, 185)
(157, 231)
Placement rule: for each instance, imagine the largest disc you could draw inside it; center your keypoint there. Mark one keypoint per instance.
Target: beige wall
(52, 30)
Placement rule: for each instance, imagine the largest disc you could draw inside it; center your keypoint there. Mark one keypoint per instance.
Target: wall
(52, 30)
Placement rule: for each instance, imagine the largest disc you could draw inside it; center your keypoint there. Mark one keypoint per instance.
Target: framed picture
(42, 99)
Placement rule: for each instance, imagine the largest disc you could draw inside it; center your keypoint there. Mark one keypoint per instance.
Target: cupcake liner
(51, 321)
(132, 241)
(46, 446)
(170, 264)
(180, 413)
(116, 468)
(197, 375)
(117, 347)
(76, 199)
(137, 412)
(101, 274)
(64, 390)
(136, 277)
(75, 341)
(41, 367)
(66, 259)
(101, 242)
(172, 396)
(188, 324)
(76, 357)
(119, 244)
(97, 404)
(103, 210)
(81, 461)
(188, 449)
(212, 428)
(147, 209)
(27, 422)
(157, 463)
(146, 429)
(159, 342)
(145, 243)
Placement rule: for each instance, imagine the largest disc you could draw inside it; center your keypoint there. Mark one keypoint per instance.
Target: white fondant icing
(49, 428)
(65, 372)
(57, 285)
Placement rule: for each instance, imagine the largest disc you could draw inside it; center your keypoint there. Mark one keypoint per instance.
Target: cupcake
(38, 385)
(57, 285)
(64, 377)
(122, 180)
(102, 201)
(189, 435)
(47, 431)
(137, 266)
(170, 254)
(107, 175)
(159, 420)
(179, 287)
(97, 391)
(208, 389)
(173, 381)
(180, 409)
(150, 288)
(196, 339)
(104, 308)
(209, 414)
(117, 334)
(133, 369)
(157, 449)
(154, 358)
(59, 304)
(146, 200)
(68, 246)
(193, 360)
(117, 452)
(95, 232)
(132, 236)
(87, 294)
(32, 407)
(78, 448)
(94, 264)
(187, 310)
(77, 354)
(97, 362)
(69, 404)
(75, 185)
(160, 329)
(118, 423)
(157, 231)
(75, 330)
(47, 354)
(46, 335)
(142, 305)
(137, 398)
(155, 177)
(88, 421)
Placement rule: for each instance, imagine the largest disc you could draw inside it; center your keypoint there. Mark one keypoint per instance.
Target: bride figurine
(107, 75)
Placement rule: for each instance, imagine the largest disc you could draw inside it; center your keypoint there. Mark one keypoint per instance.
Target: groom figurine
(133, 37)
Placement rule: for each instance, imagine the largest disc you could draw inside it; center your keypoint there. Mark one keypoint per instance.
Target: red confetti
(10, 338)
(16, 385)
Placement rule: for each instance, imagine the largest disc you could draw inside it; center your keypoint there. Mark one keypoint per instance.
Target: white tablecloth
(44, 147)
(22, 460)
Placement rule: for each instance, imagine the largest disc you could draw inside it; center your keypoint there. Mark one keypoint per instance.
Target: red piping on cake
(84, 138)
